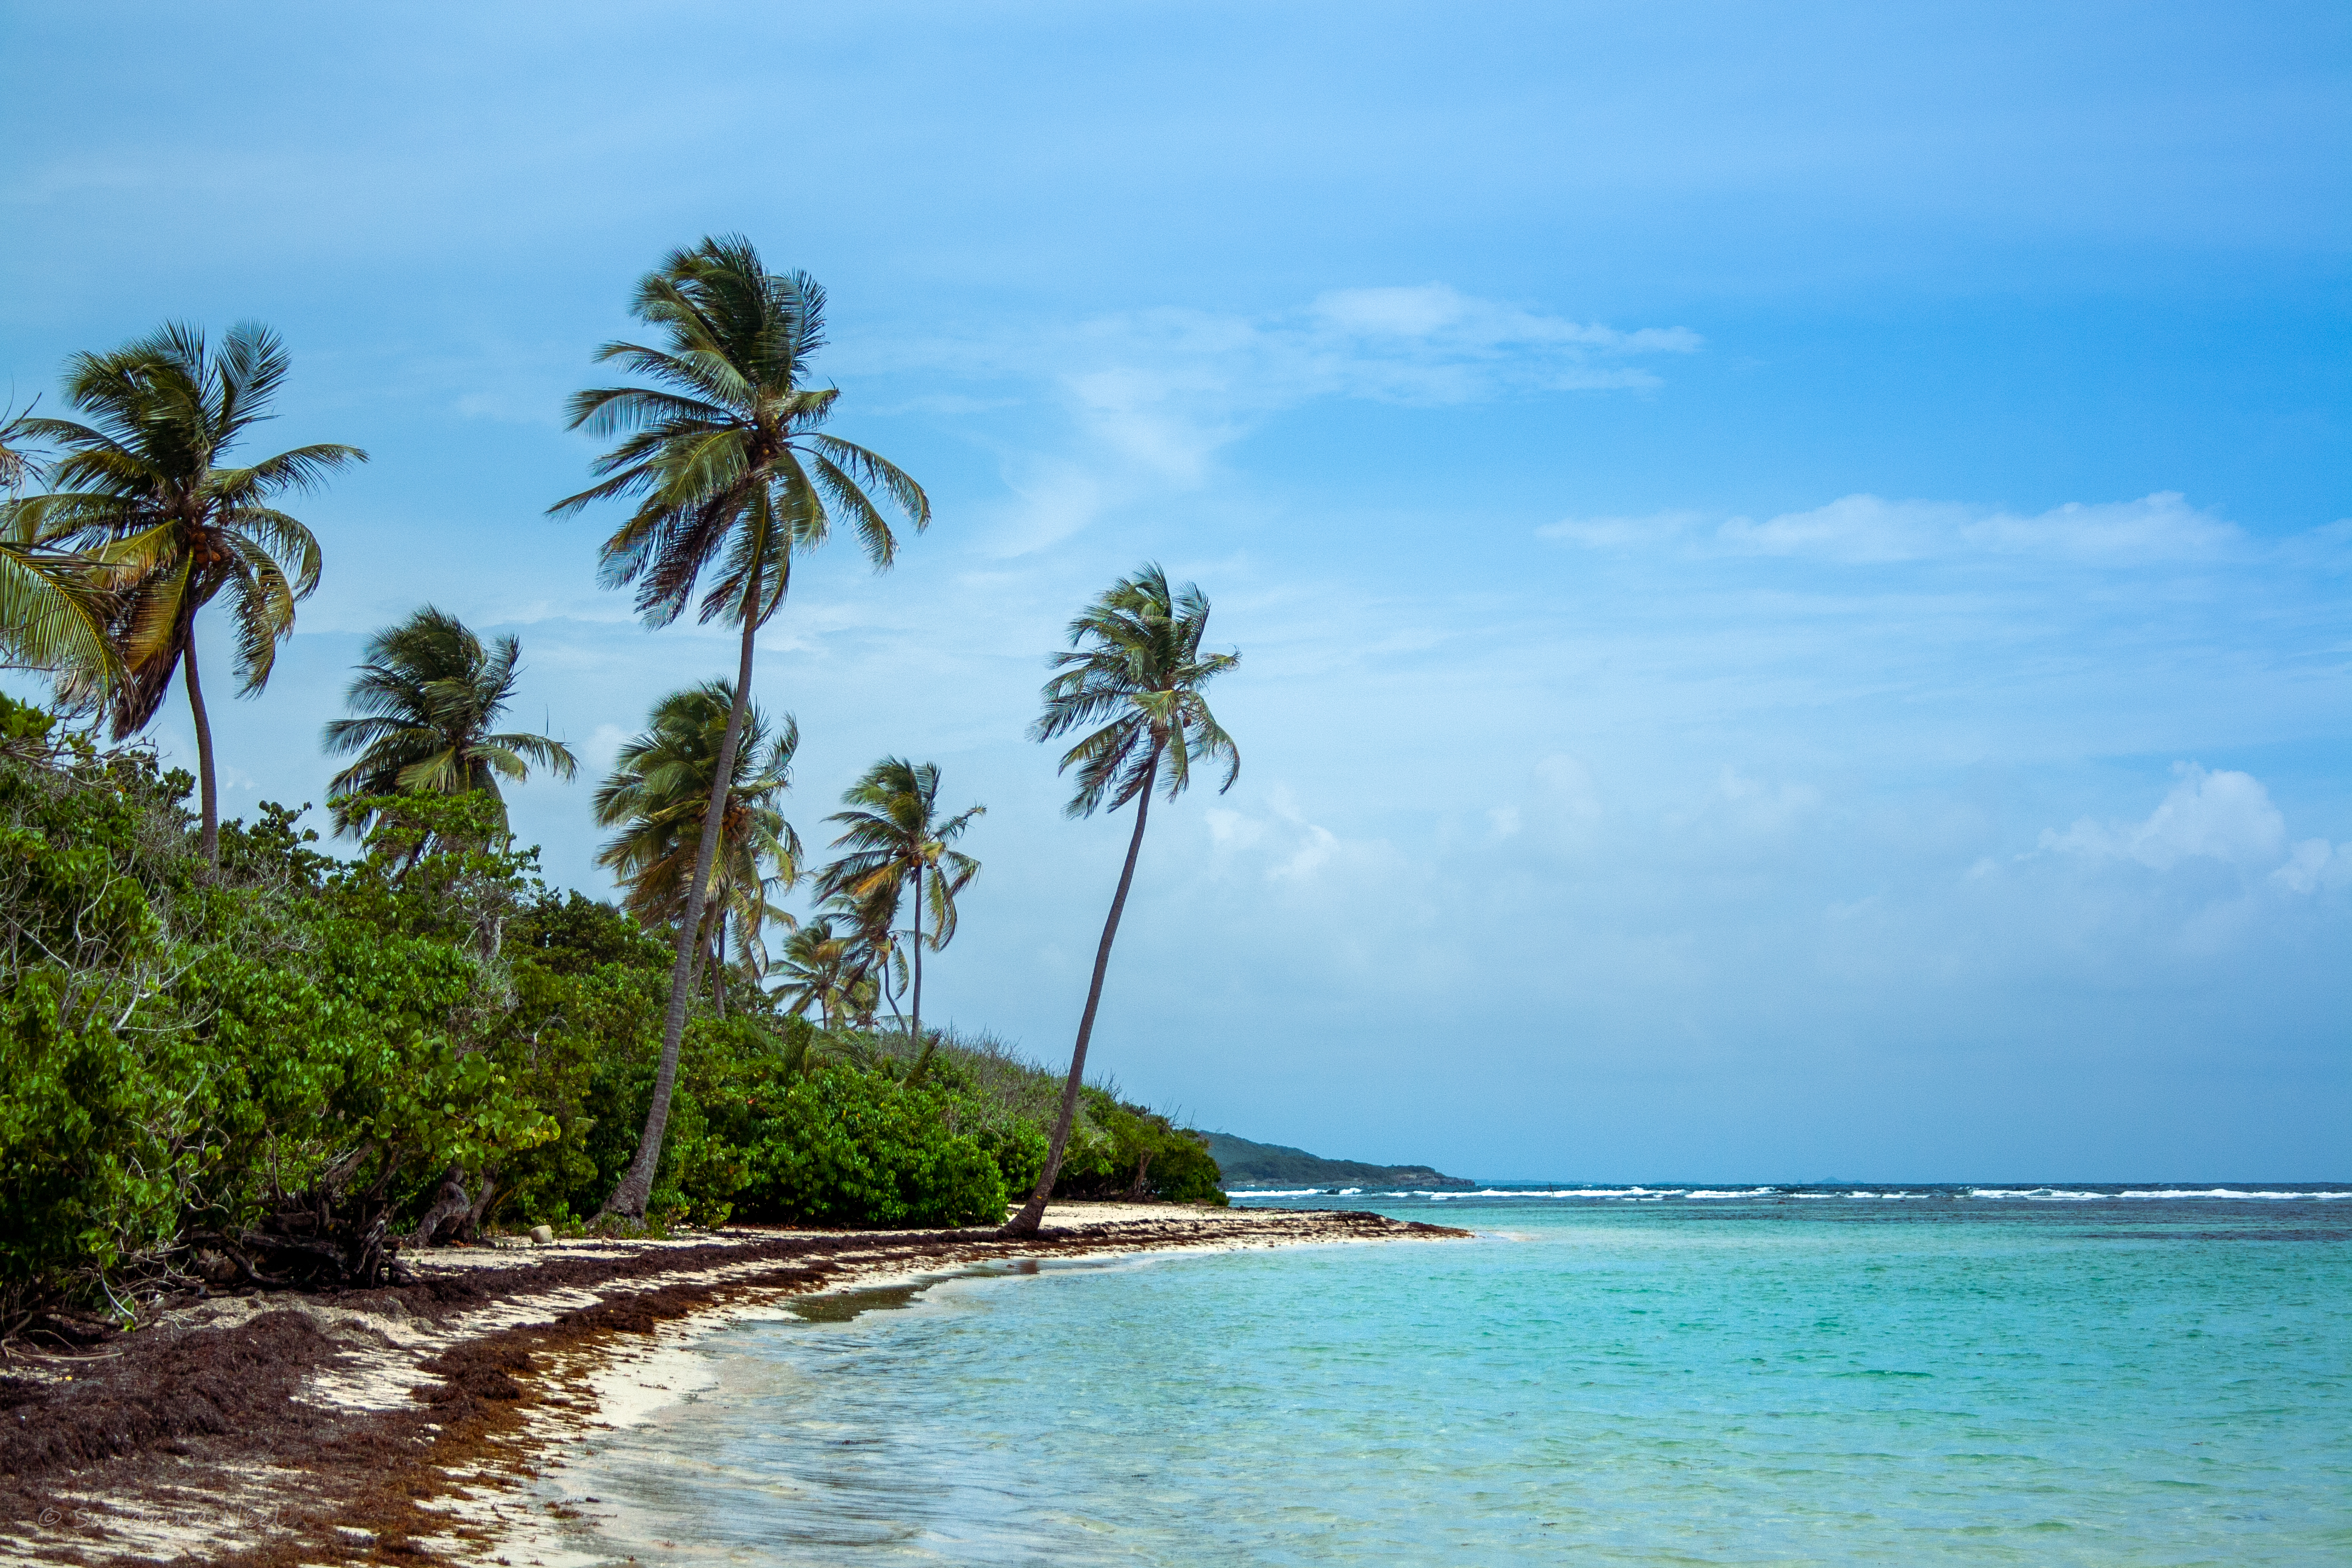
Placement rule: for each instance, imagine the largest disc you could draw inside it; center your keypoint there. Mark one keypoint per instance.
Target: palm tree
(52, 609)
(875, 959)
(426, 700)
(735, 476)
(1137, 672)
(659, 794)
(142, 491)
(819, 970)
(895, 839)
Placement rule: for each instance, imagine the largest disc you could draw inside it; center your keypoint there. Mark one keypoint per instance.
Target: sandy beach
(270, 1428)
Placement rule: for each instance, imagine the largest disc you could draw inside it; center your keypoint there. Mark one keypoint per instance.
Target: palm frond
(658, 796)
(709, 444)
(424, 701)
(53, 612)
(1132, 681)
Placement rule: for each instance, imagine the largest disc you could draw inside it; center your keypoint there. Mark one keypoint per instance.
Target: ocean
(1606, 1375)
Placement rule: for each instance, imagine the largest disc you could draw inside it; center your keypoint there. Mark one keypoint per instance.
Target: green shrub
(840, 1144)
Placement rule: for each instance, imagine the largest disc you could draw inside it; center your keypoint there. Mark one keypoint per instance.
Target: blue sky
(1791, 563)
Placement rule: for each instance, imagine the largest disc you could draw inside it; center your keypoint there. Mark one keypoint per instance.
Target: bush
(191, 1052)
(840, 1144)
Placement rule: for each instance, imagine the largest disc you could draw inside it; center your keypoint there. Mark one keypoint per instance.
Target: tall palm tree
(143, 489)
(895, 841)
(1136, 671)
(53, 610)
(659, 795)
(427, 697)
(734, 476)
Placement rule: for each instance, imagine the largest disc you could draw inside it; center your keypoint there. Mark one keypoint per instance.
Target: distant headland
(1245, 1166)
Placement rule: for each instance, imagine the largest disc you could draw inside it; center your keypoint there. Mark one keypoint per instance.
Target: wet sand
(396, 1426)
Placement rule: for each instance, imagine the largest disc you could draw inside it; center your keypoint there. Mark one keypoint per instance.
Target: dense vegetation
(233, 1055)
(268, 1069)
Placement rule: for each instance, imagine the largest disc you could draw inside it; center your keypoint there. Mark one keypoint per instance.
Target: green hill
(1245, 1165)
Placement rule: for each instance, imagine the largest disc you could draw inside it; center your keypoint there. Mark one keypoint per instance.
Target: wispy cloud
(1169, 387)
(1154, 395)
(1623, 533)
(1861, 530)
(1865, 527)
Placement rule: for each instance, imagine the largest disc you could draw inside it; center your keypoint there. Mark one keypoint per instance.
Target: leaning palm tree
(895, 841)
(659, 795)
(140, 490)
(1137, 673)
(734, 476)
(53, 608)
(426, 700)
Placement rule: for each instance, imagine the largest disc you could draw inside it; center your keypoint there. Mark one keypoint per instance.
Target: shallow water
(1704, 1378)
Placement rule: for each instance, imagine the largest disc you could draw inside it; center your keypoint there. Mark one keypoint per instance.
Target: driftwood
(452, 1210)
(325, 1238)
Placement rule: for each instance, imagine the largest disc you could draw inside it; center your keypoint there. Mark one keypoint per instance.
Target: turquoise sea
(1606, 1375)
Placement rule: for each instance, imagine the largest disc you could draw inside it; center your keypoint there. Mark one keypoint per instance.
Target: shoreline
(276, 1428)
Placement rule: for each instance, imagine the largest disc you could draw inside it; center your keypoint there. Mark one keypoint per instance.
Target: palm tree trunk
(915, 1025)
(890, 992)
(719, 964)
(209, 791)
(1032, 1213)
(628, 1198)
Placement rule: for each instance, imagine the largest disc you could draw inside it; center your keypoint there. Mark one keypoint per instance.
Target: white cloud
(1312, 849)
(2224, 816)
(1305, 846)
(2315, 863)
(1229, 830)
(1282, 845)
(1436, 314)
(2162, 527)
(1855, 528)
(1423, 345)
(1622, 532)
(602, 748)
